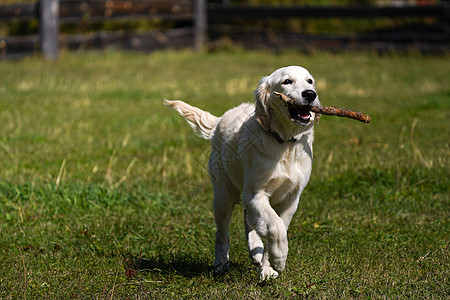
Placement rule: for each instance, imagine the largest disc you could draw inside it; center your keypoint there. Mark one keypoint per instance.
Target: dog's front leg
(271, 228)
(255, 244)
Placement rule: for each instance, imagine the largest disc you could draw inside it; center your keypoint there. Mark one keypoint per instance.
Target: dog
(261, 157)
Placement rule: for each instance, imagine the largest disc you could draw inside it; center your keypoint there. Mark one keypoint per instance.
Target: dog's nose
(309, 95)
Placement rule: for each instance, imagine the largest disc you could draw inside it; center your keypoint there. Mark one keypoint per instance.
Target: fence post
(200, 25)
(49, 28)
(446, 4)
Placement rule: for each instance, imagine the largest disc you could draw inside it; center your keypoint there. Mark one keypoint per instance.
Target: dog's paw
(267, 273)
(278, 263)
(222, 268)
(256, 257)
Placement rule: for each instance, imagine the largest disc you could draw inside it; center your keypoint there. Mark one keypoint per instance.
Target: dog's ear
(262, 98)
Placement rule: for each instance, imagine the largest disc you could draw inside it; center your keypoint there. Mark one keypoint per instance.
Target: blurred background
(28, 27)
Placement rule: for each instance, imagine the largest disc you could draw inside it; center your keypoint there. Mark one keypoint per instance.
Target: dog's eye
(310, 81)
(287, 81)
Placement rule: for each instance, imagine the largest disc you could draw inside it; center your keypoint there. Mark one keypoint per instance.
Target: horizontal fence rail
(73, 11)
(96, 10)
(308, 12)
(20, 12)
(77, 10)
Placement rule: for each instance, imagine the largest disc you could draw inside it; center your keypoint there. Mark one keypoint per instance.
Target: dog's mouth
(298, 115)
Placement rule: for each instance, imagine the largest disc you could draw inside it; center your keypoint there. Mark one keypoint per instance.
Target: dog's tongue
(304, 114)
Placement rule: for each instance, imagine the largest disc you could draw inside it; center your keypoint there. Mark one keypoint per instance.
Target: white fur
(248, 165)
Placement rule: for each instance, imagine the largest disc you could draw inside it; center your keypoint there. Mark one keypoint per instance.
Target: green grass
(104, 191)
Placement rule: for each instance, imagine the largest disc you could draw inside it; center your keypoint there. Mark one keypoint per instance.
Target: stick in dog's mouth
(325, 110)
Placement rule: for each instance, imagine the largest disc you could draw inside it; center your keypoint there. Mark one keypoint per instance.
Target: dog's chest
(291, 174)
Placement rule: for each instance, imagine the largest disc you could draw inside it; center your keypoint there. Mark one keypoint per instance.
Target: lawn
(104, 192)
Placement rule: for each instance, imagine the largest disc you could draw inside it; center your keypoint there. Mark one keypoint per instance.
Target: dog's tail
(201, 121)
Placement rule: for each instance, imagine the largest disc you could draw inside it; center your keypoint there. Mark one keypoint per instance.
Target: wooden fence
(430, 33)
(195, 16)
(53, 13)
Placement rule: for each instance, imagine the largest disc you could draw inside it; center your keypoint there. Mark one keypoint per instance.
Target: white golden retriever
(263, 153)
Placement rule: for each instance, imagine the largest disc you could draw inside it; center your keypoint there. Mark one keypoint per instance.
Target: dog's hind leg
(225, 196)
(255, 244)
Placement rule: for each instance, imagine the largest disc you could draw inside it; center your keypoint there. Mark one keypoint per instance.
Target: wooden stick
(327, 110)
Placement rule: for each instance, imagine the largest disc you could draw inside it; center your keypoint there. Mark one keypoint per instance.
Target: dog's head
(296, 83)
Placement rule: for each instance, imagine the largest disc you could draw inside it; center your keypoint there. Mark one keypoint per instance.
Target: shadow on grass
(182, 265)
